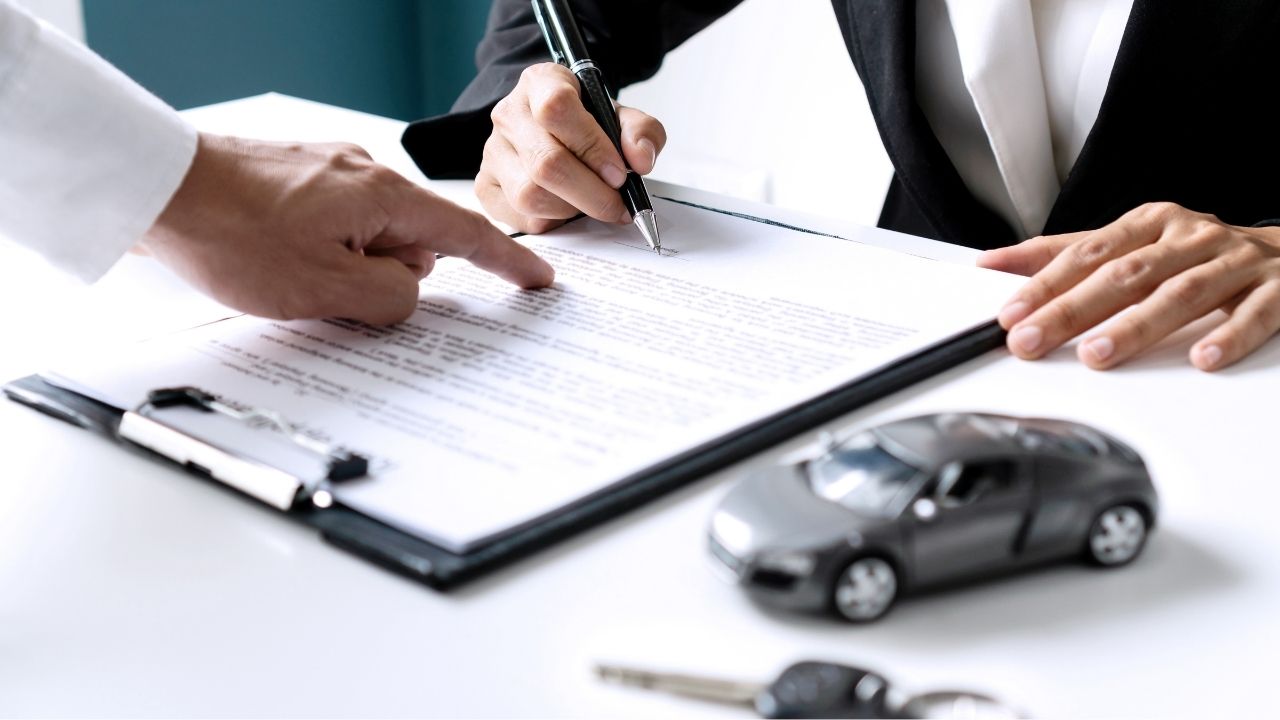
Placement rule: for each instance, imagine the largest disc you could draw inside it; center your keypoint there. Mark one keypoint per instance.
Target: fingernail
(648, 147)
(1100, 348)
(625, 217)
(613, 175)
(1209, 356)
(1013, 313)
(548, 274)
(1026, 339)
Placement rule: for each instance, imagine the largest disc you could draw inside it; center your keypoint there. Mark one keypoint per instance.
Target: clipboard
(293, 480)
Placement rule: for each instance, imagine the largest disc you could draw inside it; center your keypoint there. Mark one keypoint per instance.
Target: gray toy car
(927, 501)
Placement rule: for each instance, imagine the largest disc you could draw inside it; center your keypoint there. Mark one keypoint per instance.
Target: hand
(1174, 264)
(548, 160)
(292, 231)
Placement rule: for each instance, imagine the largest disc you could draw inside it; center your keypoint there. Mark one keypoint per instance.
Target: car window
(864, 477)
(961, 484)
(1075, 440)
(1087, 442)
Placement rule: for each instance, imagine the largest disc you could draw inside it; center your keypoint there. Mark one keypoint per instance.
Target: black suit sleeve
(628, 38)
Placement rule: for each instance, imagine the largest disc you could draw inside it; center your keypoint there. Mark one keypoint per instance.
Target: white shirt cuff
(90, 158)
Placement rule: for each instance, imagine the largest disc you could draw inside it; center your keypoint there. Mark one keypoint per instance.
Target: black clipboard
(440, 568)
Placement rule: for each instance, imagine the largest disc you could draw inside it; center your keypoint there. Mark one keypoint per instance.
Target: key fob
(825, 690)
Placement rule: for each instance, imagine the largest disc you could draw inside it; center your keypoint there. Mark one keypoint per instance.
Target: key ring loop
(956, 705)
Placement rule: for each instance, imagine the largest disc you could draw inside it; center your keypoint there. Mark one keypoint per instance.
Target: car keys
(815, 690)
(806, 689)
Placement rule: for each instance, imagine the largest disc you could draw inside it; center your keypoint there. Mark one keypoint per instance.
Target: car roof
(930, 441)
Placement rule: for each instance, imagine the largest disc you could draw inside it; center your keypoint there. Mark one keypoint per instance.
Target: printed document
(493, 406)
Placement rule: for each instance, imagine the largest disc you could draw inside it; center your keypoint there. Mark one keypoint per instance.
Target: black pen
(561, 32)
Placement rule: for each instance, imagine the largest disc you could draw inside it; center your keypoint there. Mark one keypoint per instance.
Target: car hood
(775, 509)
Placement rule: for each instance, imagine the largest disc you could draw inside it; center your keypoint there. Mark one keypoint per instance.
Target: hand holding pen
(549, 159)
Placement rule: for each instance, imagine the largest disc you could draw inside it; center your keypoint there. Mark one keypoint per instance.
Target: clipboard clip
(254, 450)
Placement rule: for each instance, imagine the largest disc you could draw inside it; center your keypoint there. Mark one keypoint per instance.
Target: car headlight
(731, 532)
(791, 562)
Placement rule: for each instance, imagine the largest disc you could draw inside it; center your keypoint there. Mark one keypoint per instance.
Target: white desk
(127, 588)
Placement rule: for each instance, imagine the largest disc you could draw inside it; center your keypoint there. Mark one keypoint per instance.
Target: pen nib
(648, 225)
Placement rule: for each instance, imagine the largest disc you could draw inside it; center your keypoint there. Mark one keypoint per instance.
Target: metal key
(804, 690)
(815, 690)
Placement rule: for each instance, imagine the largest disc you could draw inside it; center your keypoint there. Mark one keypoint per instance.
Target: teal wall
(400, 58)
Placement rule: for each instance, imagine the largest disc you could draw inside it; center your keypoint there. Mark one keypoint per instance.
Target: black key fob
(825, 690)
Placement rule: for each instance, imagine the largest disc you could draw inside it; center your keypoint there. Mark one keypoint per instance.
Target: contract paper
(493, 406)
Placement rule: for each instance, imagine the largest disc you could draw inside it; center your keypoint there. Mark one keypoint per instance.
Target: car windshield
(863, 477)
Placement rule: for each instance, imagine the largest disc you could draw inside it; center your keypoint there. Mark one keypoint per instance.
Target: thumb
(374, 290)
(643, 138)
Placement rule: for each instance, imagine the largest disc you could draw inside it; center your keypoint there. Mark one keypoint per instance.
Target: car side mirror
(925, 509)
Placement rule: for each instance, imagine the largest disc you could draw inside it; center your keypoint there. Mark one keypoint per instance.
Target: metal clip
(202, 432)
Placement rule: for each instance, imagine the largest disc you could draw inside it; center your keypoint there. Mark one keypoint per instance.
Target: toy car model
(931, 500)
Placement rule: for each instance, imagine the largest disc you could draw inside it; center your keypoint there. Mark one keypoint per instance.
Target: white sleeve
(88, 159)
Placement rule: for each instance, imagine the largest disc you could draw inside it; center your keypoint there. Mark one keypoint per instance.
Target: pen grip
(596, 98)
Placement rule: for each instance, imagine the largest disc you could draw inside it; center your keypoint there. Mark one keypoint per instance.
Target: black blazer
(1184, 118)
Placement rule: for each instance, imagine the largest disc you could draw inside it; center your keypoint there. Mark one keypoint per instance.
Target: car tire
(865, 589)
(1117, 536)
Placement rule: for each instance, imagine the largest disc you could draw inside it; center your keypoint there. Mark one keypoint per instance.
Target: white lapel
(1001, 66)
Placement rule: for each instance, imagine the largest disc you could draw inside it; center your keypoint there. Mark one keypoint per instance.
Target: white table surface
(129, 589)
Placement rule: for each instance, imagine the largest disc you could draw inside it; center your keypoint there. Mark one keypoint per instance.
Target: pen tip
(648, 225)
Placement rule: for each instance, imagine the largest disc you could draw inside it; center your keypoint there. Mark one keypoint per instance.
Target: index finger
(1029, 256)
(421, 217)
(556, 104)
(1079, 260)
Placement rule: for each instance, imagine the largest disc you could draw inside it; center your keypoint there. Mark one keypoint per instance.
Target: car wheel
(1117, 536)
(865, 589)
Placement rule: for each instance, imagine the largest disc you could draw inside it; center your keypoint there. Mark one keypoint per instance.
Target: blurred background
(399, 58)
(741, 121)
